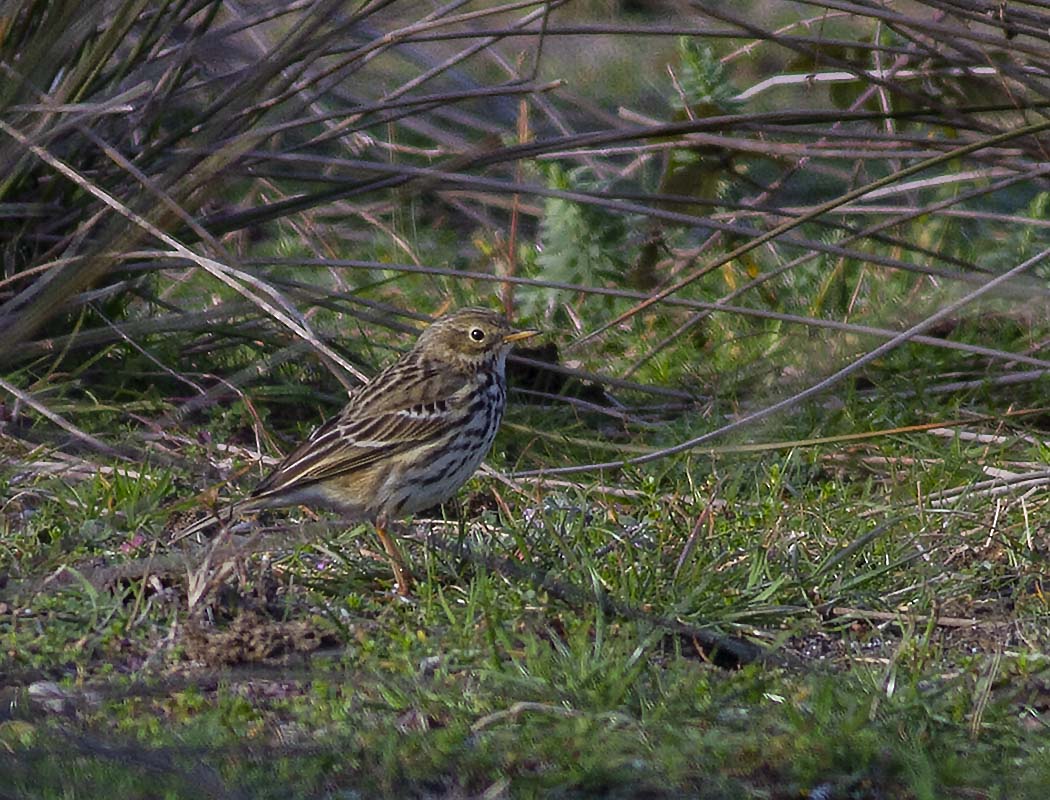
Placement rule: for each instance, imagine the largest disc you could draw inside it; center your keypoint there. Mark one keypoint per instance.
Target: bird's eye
(477, 334)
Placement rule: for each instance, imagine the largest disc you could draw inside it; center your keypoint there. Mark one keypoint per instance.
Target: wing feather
(405, 406)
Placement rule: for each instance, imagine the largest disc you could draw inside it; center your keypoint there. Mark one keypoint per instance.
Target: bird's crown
(469, 335)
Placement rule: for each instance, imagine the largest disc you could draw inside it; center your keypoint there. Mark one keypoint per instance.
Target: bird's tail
(219, 519)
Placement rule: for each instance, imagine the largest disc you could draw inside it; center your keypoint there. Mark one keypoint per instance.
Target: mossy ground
(906, 624)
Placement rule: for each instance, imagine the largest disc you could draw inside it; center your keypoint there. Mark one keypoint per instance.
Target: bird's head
(470, 338)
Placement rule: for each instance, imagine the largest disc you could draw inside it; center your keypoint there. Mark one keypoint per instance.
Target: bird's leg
(401, 573)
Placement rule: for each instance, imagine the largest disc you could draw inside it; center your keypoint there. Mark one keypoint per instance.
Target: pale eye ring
(477, 334)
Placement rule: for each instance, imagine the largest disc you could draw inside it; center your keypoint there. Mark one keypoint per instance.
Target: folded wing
(390, 417)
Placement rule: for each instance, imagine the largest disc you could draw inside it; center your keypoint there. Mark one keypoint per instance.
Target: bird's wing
(395, 412)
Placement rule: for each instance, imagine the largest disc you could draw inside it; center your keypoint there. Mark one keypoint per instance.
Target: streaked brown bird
(410, 437)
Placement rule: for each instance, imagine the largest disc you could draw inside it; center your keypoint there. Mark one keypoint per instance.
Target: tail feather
(221, 519)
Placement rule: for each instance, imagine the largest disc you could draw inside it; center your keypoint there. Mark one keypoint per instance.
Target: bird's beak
(517, 336)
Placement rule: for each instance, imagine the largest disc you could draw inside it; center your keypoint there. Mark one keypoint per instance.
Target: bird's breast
(449, 463)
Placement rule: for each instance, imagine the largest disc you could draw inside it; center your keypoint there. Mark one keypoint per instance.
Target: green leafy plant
(578, 243)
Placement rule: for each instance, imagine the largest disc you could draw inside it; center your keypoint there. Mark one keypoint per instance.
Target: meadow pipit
(410, 437)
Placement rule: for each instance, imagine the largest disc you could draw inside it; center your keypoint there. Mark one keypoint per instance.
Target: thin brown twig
(813, 390)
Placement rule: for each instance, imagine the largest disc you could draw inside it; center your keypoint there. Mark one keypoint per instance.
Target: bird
(409, 438)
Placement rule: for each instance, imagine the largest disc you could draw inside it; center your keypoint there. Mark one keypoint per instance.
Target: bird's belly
(439, 477)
